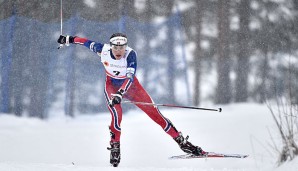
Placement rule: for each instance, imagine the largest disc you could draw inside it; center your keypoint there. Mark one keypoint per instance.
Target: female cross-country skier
(120, 62)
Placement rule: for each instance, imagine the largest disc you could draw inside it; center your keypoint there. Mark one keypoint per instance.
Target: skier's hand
(116, 98)
(65, 40)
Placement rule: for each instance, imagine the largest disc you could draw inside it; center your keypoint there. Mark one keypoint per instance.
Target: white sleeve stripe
(130, 70)
(91, 46)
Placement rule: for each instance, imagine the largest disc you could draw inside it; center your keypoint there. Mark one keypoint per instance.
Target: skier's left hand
(65, 40)
(116, 98)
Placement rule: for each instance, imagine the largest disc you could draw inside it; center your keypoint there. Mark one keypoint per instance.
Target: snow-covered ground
(64, 144)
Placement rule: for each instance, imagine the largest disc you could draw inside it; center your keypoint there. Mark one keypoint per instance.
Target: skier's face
(118, 51)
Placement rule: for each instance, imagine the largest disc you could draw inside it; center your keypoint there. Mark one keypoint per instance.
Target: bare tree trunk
(171, 65)
(171, 55)
(70, 88)
(264, 76)
(242, 69)
(223, 91)
(71, 76)
(148, 16)
(198, 52)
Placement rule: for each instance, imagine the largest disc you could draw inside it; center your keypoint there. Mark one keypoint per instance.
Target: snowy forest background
(237, 54)
(189, 52)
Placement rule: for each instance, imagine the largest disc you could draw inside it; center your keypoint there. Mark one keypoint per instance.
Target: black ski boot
(187, 147)
(115, 155)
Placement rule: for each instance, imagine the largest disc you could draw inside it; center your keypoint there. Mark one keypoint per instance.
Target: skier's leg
(137, 93)
(115, 127)
(116, 112)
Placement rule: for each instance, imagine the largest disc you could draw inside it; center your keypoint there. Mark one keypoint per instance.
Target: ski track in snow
(64, 144)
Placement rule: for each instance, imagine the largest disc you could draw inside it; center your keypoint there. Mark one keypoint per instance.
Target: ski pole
(171, 105)
(61, 22)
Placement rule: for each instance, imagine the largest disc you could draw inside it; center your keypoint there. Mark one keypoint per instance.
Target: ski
(209, 155)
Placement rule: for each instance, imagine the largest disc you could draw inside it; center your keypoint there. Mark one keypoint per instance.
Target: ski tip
(219, 109)
(241, 156)
(245, 156)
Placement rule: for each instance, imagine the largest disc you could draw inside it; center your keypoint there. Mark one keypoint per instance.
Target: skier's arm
(94, 46)
(130, 74)
(130, 71)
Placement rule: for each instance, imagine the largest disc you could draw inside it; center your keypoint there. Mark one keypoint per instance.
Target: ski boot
(115, 155)
(187, 147)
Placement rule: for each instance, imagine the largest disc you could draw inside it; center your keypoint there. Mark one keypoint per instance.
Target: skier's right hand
(65, 40)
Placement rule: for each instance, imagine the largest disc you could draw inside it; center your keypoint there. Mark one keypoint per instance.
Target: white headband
(119, 40)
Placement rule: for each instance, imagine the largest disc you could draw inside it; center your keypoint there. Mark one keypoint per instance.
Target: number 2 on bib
(116, 72)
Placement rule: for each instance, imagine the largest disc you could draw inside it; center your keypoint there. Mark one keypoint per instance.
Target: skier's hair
(118, 35)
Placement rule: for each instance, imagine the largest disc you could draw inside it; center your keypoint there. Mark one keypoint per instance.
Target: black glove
(116, 99)
(65, 39)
